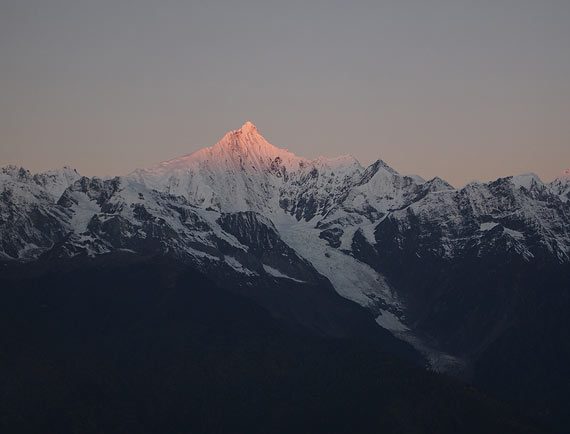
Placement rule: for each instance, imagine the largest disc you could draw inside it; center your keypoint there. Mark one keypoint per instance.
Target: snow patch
(487, 226)
(276, 273)
(391, 322)
(236, 265)
(515, 234)
(351, 278)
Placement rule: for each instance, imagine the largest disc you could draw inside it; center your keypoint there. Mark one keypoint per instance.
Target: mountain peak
(244, 147)
(246, 136)
(246, 141)
(526, 180)
(248, 127)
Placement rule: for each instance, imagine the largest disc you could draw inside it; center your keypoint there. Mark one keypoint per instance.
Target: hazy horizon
(456, 89)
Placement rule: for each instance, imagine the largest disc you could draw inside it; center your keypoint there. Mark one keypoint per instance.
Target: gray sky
(460, 89)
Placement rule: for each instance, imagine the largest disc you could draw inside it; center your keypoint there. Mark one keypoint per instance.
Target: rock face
(452, 271)
(30, 220)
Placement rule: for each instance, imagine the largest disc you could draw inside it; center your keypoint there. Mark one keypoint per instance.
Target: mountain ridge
(330, 201)
(330, 212)
(451, 271)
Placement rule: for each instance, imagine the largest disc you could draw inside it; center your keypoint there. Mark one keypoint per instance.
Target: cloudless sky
(460, 89)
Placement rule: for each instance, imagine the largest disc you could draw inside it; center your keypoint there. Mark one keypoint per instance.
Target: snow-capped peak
(57, 181)
(561, 186)
(53, 182)
(248, 133)
(249, 143)
(244, 147)
(243, 171)
(526, 180)
(248, 127)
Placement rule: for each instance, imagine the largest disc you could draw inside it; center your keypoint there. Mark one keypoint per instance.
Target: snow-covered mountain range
(247, 210)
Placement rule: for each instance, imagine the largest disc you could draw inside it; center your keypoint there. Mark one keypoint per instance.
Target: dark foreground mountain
(123, 343)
